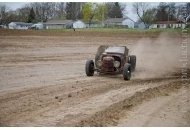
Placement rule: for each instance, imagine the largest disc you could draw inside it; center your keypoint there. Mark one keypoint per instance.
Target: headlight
(99, 63)
(116, 64)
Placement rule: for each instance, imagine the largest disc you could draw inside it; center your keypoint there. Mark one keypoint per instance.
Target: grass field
(117, 30)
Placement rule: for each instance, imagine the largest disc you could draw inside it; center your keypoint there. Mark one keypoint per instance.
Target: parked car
(112, 60)
(37, 26)
(3, 26)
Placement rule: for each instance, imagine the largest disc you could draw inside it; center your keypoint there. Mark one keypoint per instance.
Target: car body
(112, 60)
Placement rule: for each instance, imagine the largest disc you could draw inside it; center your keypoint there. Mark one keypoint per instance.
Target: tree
(186, 12)
(171, 11)
(3, 14)
(102, 11)
(116, 11)
(31, 17)
(162, 12)
(73, 10)
(166, 12)
(89, 11)
(149, 17)
(109, 6)
(23, 13)
(140, 8)
(93, 11)
(188, 8)
(70, 10)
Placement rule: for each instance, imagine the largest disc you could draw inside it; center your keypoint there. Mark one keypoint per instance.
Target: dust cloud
(156, 57)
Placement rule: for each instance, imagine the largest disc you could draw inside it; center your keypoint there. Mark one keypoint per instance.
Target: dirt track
(43, 82)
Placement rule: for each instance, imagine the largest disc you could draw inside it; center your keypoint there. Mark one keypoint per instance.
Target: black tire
(127, 72)
(89, 68)
(132, 61)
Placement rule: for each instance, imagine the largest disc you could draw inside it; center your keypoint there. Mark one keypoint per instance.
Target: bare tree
(183, 12)
(23, 13)
(123, 8)
(112, 11)
(73, 10)
(109, 6)
(3, 14)
(140, 8)
(61, 13)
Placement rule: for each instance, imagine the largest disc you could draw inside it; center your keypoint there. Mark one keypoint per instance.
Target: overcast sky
(130, 14)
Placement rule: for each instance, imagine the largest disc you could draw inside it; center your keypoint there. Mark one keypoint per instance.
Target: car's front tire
(132, 61)
(127, 71)
(89, 68)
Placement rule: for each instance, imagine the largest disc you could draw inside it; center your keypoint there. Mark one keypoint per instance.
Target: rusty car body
(112, 60)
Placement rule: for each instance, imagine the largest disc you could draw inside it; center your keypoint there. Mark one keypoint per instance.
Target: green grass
(119, 30)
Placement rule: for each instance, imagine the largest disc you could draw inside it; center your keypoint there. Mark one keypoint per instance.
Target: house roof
(58, 21)
(116, 20)
(92, 22)
(22, 23)
(168, 22)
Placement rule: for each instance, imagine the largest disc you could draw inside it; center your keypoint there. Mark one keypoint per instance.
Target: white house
(58, 24)
(170, 24)
(79, 24)
(19, 25)
(119, 22)
(93, 24)
(129, 22)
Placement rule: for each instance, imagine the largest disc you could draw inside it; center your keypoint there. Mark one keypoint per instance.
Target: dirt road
(43, 82)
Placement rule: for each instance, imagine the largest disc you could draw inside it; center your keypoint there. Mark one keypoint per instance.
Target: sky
(130, 14)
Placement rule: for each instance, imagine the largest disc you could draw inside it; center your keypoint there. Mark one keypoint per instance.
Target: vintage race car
(112, 60)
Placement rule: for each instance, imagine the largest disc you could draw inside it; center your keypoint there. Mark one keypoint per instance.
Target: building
(79, 24)
(59, 24)
(19, 25)
(168, 24)
(119, 22)
(93, 24)
(139, 25)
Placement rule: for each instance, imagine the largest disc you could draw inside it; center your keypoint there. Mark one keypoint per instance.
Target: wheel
(132, 61)
(89, 68)
(127, 72)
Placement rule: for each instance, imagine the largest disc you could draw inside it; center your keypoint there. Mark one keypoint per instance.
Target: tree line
(43, 11)
(92, 12)
(163, 12)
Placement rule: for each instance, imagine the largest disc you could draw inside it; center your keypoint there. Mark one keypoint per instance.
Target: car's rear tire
(132, 61)
(89, 68)
(127, 72)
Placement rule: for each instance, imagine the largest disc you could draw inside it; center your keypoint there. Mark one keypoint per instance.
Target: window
(162, 25)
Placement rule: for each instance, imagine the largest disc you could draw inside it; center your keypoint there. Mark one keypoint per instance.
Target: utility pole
(103, 16)
(168, 16)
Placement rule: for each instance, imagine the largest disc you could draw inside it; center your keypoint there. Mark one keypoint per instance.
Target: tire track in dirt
(171, 110)
(37, 102)
(111, 115)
